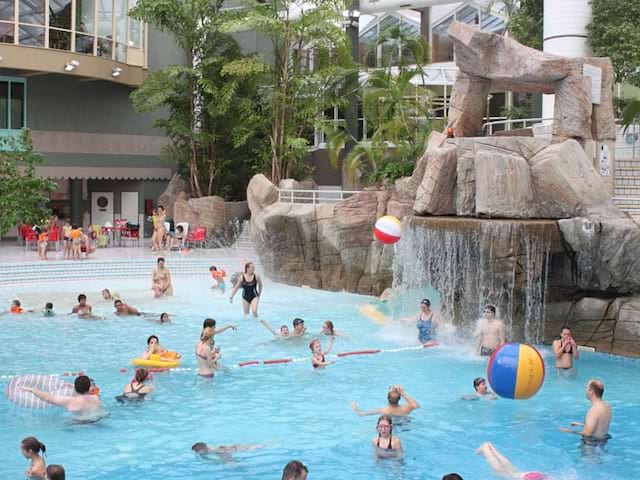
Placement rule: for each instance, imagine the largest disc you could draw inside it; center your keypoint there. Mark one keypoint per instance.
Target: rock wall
(328, 246)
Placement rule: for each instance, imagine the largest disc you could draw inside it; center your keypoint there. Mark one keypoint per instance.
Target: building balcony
(94, 39)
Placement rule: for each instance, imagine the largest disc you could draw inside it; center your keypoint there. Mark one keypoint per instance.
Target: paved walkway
(11, 252)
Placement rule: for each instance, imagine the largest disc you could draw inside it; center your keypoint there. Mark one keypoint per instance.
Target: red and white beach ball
(388, 229)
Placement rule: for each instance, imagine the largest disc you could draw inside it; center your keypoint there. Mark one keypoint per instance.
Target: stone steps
(38, 272)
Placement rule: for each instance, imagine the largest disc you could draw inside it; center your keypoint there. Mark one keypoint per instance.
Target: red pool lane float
(276, 361)
(246, 364)
(359, 352)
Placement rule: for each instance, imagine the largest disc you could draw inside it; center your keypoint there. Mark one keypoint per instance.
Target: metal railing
(511, 123)
(314, 197)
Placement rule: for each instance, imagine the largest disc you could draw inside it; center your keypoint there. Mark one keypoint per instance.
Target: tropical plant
(615, 32)
(23, 194)
(214, 120)
(397, 113)
(524, 21)
(310, 59)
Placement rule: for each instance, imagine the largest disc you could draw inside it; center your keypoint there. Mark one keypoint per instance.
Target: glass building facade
(100, 28)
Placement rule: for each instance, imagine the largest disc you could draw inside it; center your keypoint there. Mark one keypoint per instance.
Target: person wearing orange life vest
(218, 278)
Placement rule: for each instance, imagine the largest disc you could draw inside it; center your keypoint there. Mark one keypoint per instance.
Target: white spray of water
(472, 263)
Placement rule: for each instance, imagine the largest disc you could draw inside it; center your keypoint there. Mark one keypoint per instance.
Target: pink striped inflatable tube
(48, 383)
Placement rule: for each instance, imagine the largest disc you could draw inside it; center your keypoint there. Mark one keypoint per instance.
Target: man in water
(83, 308)
(480, 386)
(489, 332)
(122, 309)
(295, 470)
(565, 349)
(596, 422)
(393, 408)
(83, 402)
(223, 451)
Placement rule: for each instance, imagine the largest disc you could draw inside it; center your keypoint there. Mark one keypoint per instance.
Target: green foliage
(215, 123)
(525, 21)
(631, 113)
(397, 114)
(294, 93)
(23, 194)
(615, 33)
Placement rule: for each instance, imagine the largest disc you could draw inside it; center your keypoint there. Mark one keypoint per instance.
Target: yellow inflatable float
(163, 360)
(375, 315)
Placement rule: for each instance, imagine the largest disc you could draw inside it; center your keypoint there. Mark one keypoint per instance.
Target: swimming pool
(296, 412)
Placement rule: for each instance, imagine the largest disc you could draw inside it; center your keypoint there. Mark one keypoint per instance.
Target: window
(13, 100)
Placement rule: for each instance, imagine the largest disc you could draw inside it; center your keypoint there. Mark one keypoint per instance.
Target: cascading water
(471, 263)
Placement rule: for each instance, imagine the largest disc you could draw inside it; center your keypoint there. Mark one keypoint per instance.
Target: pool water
(296, 412)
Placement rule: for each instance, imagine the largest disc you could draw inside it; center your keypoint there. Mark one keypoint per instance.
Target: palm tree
(396, 111)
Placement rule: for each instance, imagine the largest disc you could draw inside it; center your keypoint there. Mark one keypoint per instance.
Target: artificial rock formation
(329, 246)
(495, 62)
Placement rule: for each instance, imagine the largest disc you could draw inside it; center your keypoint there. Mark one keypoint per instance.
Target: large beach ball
(388, 229)
(516, 371)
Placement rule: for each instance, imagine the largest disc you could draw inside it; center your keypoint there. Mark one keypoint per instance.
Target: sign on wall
(604, 161)
(595, 74)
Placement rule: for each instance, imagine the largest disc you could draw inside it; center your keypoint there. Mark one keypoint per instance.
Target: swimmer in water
(17, 308)
(218, 278)
(107, 295)
(317, 355)
(298, 328)
(595, 428)
(223, 451)
(385, 442)
(153, 348)
(55, 472)
(251, 285)
(164, 318)
(211, 323)
(48, 310)
(295, 470)
(83, 309)
(83, 402)
(426, 323)
(207, 355)
(565, 350)
(480, 386)
(138, 391)
(328, 329)
(122, 309)
(490, 332)
(31, 448)
(503, 467)
(284, 330)
(393, 408)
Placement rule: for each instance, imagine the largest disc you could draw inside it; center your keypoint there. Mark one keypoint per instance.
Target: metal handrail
(511, 121)
(313, 196)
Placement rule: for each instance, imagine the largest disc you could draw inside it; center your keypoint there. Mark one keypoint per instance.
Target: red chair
(30, 239)
(131, 234)
(54, 237)
(23, 231)
(197, 237)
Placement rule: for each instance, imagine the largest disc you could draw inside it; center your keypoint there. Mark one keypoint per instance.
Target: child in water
(218, 278)
(48, 310)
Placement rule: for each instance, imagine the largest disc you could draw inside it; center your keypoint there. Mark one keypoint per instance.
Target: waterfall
(471, 263)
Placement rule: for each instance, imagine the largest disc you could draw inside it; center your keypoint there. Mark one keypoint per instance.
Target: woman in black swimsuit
(251, 289)
(385, 441)
(139, 390)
